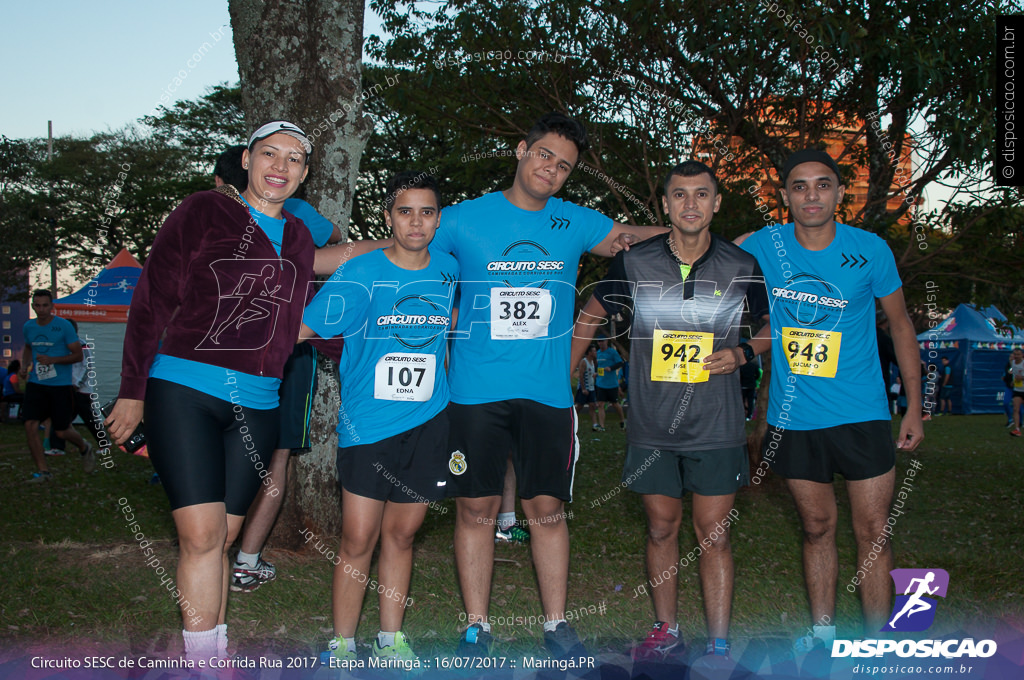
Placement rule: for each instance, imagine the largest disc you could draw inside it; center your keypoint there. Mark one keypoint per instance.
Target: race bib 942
(679, 356)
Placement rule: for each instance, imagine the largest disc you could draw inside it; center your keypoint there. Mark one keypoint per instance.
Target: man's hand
(622, 242)
(123, 420)
(911, 432)
(724, 361)
(44, 360)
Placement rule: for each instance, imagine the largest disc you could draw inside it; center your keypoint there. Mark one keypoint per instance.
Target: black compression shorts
(205, 449)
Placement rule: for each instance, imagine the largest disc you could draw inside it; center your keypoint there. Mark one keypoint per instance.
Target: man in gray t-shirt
(684, 295)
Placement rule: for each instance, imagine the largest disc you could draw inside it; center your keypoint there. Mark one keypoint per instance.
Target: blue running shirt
(320, 228)
(517, 296)
(824, 345)
(51, 340)
(395, 323)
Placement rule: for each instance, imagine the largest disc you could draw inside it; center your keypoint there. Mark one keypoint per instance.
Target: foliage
(738, 85)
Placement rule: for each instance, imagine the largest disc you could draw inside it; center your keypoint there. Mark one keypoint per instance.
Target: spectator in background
(946, 388)
(86, 405)
(10, 395)
(608, 364)
(53, 344)
(1014, 379)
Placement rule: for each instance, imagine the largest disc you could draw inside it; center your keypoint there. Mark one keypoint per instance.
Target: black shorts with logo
(56, 402)
(856, 451)
(541, 440)
(410, 467)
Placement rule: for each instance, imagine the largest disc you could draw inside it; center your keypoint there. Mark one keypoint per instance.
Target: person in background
(10, 394)
(54, 345)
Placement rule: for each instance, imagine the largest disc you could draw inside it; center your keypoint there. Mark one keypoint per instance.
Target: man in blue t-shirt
(608, 364)
(393, 307)
(51, 347)
(518, 251)
(828, 412)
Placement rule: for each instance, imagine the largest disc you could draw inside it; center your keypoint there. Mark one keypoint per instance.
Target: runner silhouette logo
(914, 609)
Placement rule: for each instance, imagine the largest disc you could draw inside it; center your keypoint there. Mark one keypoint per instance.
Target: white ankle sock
(506, 520)
(549, 626)
(222, 640)
(200, 644)
(247, 560)
(385, 639)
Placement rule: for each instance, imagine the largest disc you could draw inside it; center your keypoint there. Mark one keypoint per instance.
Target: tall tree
(300, 60)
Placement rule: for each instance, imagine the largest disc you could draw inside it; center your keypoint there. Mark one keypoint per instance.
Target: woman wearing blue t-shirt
(212, 322)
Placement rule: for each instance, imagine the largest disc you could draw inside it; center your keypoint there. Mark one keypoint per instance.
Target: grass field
(74, 576)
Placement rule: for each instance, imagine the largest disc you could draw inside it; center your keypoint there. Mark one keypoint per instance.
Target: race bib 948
(811, 352)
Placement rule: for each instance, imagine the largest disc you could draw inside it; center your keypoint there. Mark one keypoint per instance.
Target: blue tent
(978, 343)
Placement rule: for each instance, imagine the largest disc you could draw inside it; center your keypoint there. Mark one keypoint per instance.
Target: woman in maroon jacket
(212, 322)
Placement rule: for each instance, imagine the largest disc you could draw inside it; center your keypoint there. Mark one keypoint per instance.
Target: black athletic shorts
(205, 449)
(297, 390)
(855, 451)
(411, 467)
(589, 398)
(56, 402)
(609, 394)
(542, 441)
(711, 472)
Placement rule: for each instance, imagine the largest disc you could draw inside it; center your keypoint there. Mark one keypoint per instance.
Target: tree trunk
(299, 60)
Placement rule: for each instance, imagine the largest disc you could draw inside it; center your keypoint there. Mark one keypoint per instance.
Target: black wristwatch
(748, 351)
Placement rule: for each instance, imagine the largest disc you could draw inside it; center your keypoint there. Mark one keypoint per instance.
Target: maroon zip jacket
(215, 285)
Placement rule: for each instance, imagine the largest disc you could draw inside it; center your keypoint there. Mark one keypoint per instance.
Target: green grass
(73, 574)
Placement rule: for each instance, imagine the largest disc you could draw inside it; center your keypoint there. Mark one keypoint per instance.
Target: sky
(99, 66)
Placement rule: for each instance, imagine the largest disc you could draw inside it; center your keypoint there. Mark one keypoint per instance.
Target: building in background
(13, 315)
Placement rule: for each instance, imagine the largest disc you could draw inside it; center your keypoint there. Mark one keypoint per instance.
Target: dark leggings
(205, 449)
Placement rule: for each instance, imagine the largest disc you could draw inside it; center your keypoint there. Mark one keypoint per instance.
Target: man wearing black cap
(828, 413)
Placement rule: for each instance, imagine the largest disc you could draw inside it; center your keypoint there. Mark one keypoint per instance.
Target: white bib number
(520, 313)
(404, 377)
(45, 371)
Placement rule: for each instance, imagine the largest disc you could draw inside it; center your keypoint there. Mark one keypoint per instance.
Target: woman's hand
(123, 420)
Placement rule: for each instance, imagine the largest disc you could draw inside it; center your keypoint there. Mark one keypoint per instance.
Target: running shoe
(40, 477)
(53, 452)
(246, 580)
(475, 642)
(564, 643)
(89, 459)
(597, 428)
(622, 424)
(1015, 432)
(512, 535)
(337, 650)
(658, 644)
(400, 651)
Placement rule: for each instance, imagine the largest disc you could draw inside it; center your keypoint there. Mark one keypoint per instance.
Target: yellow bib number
(810, 352)
(679, 356)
